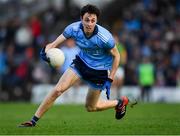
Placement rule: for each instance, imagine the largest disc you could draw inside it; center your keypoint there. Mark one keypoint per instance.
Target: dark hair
(90, 9)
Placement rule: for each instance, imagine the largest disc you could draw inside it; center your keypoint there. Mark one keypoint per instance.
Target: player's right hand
(43, 55)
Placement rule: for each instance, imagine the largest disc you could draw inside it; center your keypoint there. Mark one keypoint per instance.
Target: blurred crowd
(147, 31)
(150, 29)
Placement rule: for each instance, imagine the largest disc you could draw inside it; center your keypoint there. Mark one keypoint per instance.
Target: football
(56, 57)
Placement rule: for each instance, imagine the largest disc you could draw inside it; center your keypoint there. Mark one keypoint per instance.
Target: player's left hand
(43, 55)
(107, 85)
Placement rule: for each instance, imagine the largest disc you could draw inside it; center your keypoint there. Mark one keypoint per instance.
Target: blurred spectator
(70, 51)
(41, 73)
(175, 57)
(10, 31)
(178, 77)
(23, 37)
(120, 74)
(146, 77)
(3, 65)
(35, 24)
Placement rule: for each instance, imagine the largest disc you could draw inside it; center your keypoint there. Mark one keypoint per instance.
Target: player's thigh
(68, 79)
(92, 97)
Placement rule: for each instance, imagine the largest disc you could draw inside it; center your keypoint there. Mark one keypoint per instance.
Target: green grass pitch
(161, 119)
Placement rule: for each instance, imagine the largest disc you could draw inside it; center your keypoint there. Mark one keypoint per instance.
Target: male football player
(95, 64)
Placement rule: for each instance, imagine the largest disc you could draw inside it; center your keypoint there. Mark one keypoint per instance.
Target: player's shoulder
(75, 26)
(104, 34)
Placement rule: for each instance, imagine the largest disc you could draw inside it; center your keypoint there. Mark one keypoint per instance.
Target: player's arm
(55, 43)
(116, 61)
(67, 33)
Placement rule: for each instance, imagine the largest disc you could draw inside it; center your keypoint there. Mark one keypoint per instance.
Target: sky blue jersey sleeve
(110, 43)
(68, 32)
(71, 30)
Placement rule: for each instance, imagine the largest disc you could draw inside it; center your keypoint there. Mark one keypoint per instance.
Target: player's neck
(88, 34)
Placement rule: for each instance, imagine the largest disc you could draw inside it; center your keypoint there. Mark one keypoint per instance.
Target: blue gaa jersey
(94, 50)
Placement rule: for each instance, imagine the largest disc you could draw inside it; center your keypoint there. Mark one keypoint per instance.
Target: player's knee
(91, 108)
(58, 91)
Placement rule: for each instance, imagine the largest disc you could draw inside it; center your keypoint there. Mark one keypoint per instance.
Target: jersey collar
(94, 32)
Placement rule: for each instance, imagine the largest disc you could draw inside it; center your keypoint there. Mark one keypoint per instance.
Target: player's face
(89, 21)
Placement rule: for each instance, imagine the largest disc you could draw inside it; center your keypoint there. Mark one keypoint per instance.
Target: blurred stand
(157, 94)
(148, 28)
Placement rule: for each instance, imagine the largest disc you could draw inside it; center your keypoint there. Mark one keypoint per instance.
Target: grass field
(73, 119)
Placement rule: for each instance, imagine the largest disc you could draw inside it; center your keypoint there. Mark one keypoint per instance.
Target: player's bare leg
(93, 102)
(66, 81)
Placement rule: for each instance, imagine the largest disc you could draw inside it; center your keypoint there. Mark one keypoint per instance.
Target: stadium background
(145, 28)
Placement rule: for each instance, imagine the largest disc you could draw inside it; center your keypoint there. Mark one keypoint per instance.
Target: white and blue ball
(56, 57)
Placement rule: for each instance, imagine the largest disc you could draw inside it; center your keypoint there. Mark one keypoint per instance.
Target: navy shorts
(96, 78)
